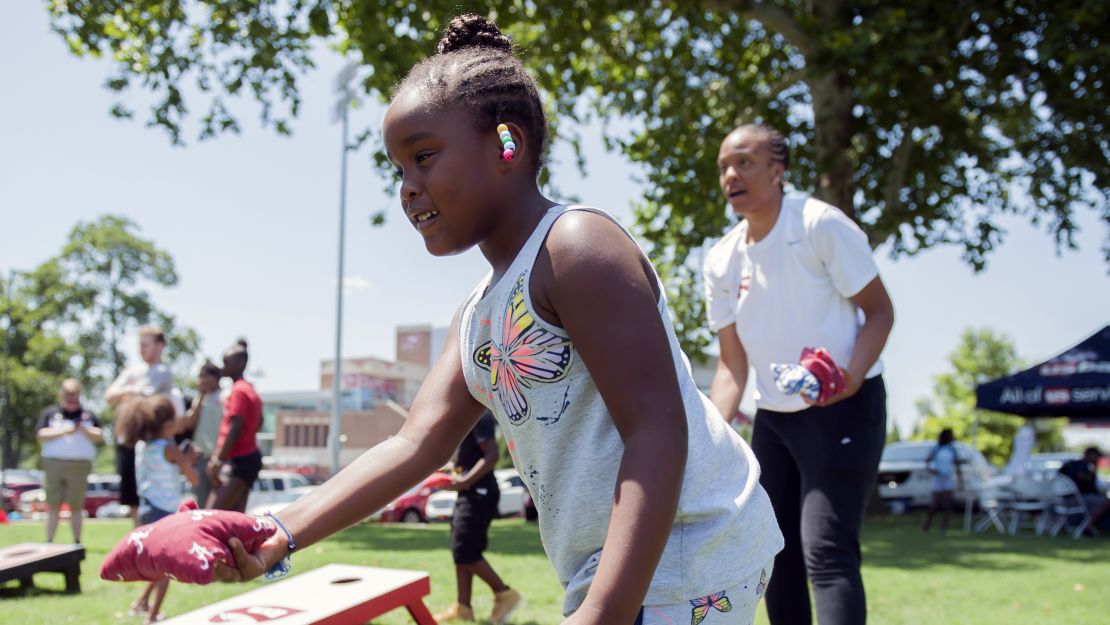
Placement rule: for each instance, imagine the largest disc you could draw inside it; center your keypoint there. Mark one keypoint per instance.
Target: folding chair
(1030, 498)
(994, 501)
(1069, 508)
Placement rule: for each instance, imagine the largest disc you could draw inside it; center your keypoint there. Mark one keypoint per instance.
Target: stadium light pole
(340, 113)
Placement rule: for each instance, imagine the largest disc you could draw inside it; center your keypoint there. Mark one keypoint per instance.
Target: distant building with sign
(375, 395)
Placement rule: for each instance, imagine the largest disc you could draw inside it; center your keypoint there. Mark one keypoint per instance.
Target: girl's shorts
(731, 606)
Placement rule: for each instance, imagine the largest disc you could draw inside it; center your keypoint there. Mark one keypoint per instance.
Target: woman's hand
(250, 565)
(851, 387)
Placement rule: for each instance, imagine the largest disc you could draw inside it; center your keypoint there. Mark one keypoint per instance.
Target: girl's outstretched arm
(442, 414)
(602, 290)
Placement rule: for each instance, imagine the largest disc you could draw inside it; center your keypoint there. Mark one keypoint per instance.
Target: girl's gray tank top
(564, 444)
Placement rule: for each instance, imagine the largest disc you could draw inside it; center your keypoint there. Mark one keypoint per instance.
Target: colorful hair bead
(507, 144)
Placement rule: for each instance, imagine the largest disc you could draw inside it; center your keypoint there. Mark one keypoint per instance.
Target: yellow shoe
(455, 613)
(504, 603)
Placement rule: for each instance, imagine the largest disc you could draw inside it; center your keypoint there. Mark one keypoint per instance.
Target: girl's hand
(250, 565)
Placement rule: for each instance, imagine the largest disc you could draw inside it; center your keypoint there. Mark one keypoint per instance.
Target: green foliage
(34, 363)
(980, 356)
(95, 291)
(68, 315)
(925, 121)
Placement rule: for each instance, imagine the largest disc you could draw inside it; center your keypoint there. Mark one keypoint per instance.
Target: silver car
(904, 481)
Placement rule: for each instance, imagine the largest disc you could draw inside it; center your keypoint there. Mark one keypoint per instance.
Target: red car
(409, 508)
(12, 490)
(102, 489)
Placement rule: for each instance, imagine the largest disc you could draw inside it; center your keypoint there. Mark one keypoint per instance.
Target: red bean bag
(820, 363)
(184, 546)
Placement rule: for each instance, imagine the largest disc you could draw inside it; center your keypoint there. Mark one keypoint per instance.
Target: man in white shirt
(150, 377)
(69, 435)
(797, 273)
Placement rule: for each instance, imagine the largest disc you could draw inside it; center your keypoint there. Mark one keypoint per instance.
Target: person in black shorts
(474, 510)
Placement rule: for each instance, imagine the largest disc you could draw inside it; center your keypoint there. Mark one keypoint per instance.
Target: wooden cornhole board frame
(334, 594)
(25, 560)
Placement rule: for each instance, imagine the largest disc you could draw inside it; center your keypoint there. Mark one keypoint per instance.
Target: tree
(95, 291)
(67, 316)
(924, 121)
(34, 363)
(981, 355)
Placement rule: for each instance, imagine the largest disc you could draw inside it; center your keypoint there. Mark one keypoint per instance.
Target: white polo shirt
(790, 291)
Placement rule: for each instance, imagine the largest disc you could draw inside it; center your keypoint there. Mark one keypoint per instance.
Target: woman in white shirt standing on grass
(796, 273)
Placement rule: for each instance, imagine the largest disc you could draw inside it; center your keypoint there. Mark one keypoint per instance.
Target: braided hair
(474, 66)
(776, 143)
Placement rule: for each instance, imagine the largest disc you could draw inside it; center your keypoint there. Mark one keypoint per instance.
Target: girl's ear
(519, 147)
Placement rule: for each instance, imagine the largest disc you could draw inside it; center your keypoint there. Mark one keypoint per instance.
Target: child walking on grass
(149, 425)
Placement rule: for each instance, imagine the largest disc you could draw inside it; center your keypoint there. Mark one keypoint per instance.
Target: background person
(475, 509)
(944, 464)
(236, 444)
(149, 426)
(204, 419)
(69, 435)
(796, 273)
(149, 377)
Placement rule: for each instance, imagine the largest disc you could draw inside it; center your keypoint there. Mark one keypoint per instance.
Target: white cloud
(355, 284)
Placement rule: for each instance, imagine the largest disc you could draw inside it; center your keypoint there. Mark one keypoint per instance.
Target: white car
(1043, 467)
(904, 480)
(441, 505)
(273, 490)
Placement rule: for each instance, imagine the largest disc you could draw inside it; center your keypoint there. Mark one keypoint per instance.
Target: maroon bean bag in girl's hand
(184, 546)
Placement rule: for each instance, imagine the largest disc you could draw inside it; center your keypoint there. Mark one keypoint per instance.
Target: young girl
(945, 467)
(149, 425)
(650, 506)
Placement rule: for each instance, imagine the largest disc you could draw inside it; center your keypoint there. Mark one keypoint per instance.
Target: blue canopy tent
(1075, 384)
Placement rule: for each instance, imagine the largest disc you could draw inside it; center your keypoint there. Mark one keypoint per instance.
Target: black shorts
(470, 525)
(125, 466)
(247, 467)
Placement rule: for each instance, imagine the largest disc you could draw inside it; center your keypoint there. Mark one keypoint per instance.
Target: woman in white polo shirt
(795, 273)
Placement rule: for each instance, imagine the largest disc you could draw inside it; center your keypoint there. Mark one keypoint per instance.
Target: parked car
(410, 507)
(904, 481)
(441, 505)
(273, 490)
(17, 482)
(1043, 467)
(113, 510)
(102, 489)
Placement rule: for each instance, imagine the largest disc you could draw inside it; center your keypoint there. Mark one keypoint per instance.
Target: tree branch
(900, 161)
(788, 80)
(773, 18)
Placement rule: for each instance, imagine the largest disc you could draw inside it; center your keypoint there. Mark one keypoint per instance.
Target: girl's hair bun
(473, 31)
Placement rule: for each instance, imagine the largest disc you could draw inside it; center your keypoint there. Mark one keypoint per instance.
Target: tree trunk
(833, 130)
(833, 124)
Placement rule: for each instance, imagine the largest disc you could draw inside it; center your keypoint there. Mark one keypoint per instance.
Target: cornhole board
(334, 594)
(23, 561)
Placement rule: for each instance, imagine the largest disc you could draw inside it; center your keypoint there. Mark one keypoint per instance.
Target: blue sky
(251, 221)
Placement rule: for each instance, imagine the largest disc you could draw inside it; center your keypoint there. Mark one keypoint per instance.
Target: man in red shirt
(237, 460)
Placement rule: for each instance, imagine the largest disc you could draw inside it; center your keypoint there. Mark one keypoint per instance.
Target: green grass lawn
(911, 578)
